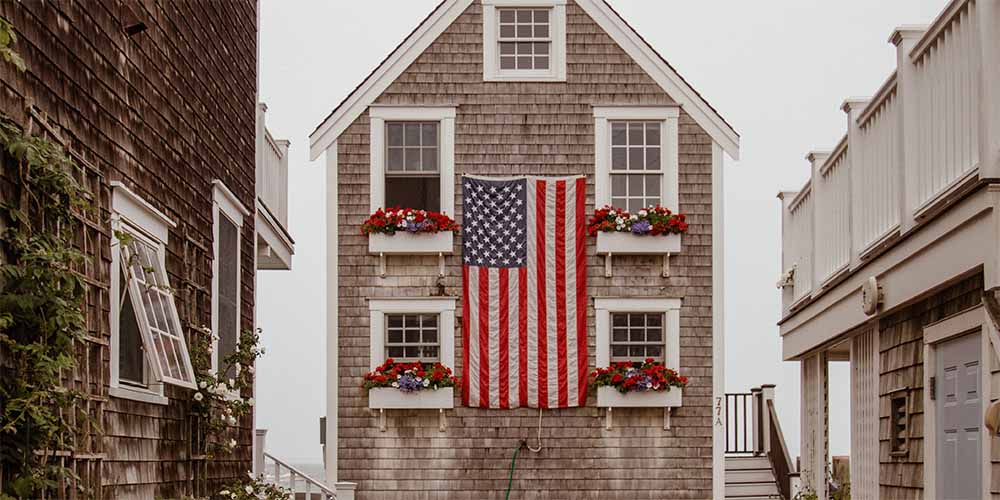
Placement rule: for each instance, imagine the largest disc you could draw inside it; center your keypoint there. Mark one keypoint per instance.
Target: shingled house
(156, 104)
(492, 91)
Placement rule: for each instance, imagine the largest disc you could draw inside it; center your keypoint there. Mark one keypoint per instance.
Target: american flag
(524, 290)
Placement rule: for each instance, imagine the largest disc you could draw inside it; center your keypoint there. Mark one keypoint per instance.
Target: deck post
(814, 424)
(345, 490)
(259, 440)
(767, 394)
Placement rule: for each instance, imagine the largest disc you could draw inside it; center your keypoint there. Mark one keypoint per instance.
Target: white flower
(426, 382)
(634, 217)
(250, 475)
(198, 396)
(232, 420)
(643, 212)
(619, 220)
(248, 489)
(224, 493)
(202, 384)
(231, 384)
(620, 227)
(232, 443)
(251, 369)
(221, 387)
(250, 401)
(402, 223)
(238, 367)
(395, 384)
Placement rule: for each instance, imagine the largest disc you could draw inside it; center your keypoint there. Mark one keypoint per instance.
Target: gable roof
(448, 11)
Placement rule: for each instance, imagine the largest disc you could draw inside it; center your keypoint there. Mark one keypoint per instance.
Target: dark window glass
(229, 266)
(413, 192)
(636, 336)
(131, 360)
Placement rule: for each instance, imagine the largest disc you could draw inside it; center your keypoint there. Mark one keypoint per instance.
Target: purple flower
(409, 383)
(641, 227)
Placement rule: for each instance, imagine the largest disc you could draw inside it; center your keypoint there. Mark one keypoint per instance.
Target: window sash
(645, 344)
(516, 24)
(420, 329)
(420, 148)
(159, 323)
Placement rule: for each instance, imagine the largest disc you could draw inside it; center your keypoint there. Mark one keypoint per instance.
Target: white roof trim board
(449, 10)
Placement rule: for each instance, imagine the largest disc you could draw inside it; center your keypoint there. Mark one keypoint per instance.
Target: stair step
(749, 476)
(751, 490)
(745, 463)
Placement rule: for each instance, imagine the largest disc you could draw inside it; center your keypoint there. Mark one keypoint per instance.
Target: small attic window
(524, 41)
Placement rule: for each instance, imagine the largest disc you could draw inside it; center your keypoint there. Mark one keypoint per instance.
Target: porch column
(814, 436)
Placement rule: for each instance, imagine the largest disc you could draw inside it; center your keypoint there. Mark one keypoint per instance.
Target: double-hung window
(228, 214)
(147, 341)
(636, 162)
(524, 40)
(413, 158)
(637, 328)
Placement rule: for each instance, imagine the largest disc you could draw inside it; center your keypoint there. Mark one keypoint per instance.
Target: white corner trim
(445, 116)
(228, 202)
(332, 315)
(957, 324)
(604, 306)
(669, 150)
(444, 307)
(718, 324)
(357, 102)
(140, 213)
(557, 56)
(664, 75)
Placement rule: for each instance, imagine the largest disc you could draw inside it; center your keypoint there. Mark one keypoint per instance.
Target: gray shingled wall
(538, 129)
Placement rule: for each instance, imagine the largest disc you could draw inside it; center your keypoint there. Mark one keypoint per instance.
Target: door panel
(959, 413)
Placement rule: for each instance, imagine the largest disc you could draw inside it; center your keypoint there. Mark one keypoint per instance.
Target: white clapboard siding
(947, 88)
(865, 415)
(832, 205)
(876, 155)
(799, 253)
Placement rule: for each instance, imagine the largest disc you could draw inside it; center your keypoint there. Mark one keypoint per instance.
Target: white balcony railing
(272, 178)
(906, 149)
(274, 244)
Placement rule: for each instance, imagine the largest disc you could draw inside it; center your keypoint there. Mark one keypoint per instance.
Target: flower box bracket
(382, 265)
(442, 420)
(666, 417)
(612, 243)
(665, 271)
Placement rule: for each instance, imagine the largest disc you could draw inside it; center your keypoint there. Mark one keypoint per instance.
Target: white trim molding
(671, 307)
(332, 317)
(444, 307)
(225, 204)
(139, 212)
(639, 50)
(557, 54)
(445, 116)
(718, 325)
(669, 155)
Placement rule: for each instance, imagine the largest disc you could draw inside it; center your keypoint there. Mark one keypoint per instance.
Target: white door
(959, 417)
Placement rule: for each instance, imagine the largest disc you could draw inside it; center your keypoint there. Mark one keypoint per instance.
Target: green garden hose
(510, 478)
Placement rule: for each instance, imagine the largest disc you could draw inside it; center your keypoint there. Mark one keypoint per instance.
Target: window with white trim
(412, 329)
(228, 215)
(636, 328)
(147, 341)
(636, 161)
(413, 157)
(524, 40)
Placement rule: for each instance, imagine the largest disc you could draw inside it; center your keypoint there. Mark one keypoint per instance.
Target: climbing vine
(41, 305)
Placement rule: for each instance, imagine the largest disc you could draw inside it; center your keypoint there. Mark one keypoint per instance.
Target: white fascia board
(383, 76)
(140, 212)
(664, 75)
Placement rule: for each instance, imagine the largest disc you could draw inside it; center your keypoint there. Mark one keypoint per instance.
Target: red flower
(617, 378)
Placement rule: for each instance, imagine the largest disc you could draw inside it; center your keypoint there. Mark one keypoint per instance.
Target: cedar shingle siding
(901, 339)
(505, 129)
(165, 111)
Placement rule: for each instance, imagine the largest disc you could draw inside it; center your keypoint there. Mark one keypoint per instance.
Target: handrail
(293, 474)
(781, 461)
(939, 26)
(740, 431)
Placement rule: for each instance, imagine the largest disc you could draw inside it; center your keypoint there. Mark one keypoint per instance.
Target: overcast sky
(777, 70)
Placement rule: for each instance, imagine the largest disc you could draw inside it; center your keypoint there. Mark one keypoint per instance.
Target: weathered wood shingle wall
(540, 129)
(901, 339)
(165, 111)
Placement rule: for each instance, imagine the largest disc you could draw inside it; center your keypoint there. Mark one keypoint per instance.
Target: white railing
(297, 482)
(946, 86)
(833, 205)
(272, 175)
(876, 164)
(907, 151)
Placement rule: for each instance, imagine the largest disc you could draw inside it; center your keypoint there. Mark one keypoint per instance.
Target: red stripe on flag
(560, 305)
(484, 337)
(522, 335)
(504, 333)
(543, 368)
(581, 287)
(465, 335)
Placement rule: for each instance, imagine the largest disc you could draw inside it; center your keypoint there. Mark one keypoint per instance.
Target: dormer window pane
(524, 39)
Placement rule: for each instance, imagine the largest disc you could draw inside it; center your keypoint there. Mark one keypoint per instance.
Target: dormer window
(524, 40)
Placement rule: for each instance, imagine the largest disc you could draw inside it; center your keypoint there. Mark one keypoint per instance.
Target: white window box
(389, 398)
(609, 397)
(403, 243)
(615, 243)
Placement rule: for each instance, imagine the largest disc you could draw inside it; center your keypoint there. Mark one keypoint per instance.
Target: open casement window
(524, 40)
(152, 302)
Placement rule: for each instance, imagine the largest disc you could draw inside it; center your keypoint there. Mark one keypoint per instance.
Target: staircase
(750, 478)
(757, 462)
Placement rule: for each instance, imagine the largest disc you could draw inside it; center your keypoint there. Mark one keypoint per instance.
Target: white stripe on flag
(571, 333)
(513, 345)
(532, 325)
(494, 337)
(473, 337)
(551, 307)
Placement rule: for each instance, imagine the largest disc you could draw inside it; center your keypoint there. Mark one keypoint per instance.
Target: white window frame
(444, 307)
(225, 204)
(128, 209)
(669, 156)
(445, 116)
(671, 309)
(557, 54)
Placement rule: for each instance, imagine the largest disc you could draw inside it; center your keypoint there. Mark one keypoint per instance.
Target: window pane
(524, 31)
(416, 339)
(637, 334)
(412, 352)
(542, 62)
(430, 336)
(131, 360)
(507, 31)
(508, 48)
(524, 62)
(507, 15)
(653, 134)
(635, 134)
(429, 320)
(394, 336)
(619, 335)
(411, 134)
(654, 319)
(229, 322)
(541, 31)
(654, 351)
(618, 186)
(429, 133)
(619, 350)
(524, 49)
(422, 193)
(635, 187)
(395, 352)
(635, 159)
(618, 134)
(523, 16)
(653, 158)
(637, 320)
(654, 335)
(394, 161)
(395, 321)
(619, 158)
(394, 134)
(507, 63)
(541, 16)
(430, 353)
(653, 186)
(619, 320)
(411, 336)
(430, 159)
(637, 351)
(412, 160)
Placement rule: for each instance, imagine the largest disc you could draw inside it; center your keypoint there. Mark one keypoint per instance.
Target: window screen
(636, 173)
(636, 336)
(153, 301)
(412, 170)
(412, 337)
(525, 40)
(229, 292)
